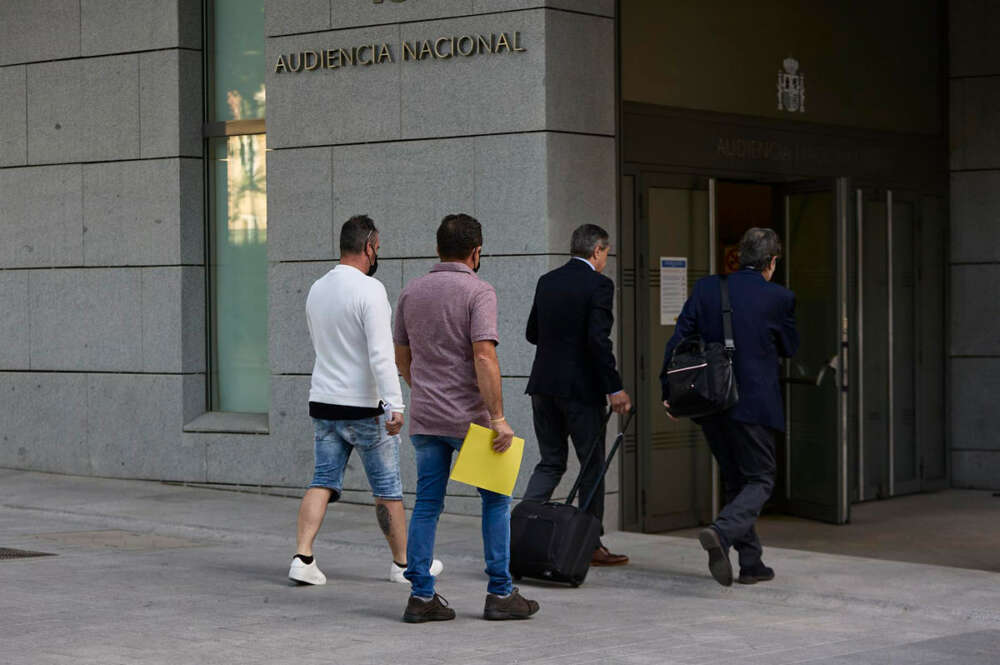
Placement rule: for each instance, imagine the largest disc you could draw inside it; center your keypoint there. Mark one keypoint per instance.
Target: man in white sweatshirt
(355, 400)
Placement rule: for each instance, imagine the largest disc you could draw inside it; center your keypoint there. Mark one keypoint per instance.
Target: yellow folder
(481, 466)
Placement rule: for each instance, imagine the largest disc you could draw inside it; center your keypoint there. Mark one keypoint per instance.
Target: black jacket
(763, 329)
(570, 323)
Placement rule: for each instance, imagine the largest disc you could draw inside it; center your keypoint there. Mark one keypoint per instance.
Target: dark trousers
(745, 454)
(555, 420)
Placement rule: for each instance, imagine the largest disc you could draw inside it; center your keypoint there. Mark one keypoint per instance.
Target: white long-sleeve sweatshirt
(350, 324)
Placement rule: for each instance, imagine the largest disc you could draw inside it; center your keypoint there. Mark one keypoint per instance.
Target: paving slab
(153, 573)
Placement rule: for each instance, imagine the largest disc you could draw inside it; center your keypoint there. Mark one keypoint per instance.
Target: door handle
(805, 380)
(831, 364)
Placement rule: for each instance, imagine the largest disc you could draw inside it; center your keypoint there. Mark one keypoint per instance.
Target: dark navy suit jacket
(570, 323)
(763, 330)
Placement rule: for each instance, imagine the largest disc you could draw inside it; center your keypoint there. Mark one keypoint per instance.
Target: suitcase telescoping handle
(590, 456)
(607, 463)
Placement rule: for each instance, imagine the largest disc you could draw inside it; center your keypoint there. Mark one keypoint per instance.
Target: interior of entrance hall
(863, 395)
(852, 176)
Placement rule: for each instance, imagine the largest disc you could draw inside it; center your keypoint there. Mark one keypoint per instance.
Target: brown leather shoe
(435, 609)
(514, 606)
(602, 557)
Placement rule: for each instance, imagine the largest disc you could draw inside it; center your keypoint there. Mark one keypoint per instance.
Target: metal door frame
(840, 188)
(871, 192)
(647, 369)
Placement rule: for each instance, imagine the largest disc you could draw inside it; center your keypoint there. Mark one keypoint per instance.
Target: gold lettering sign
(441, 48)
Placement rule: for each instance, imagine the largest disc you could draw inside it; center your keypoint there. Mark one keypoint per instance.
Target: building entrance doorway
(864, 394)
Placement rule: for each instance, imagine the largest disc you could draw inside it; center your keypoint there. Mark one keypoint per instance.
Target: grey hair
(757, 247)
(586, 240)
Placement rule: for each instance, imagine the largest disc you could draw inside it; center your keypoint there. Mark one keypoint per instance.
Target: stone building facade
(510, 110)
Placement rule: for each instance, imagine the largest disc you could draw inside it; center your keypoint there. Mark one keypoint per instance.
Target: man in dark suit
(574, 375)
(742, 438)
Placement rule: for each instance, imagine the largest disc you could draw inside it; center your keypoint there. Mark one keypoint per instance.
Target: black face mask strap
(373, 265)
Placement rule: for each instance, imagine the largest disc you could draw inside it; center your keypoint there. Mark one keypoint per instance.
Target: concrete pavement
(152, 573)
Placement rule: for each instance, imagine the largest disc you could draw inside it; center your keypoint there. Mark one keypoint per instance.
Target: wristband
(498, 420)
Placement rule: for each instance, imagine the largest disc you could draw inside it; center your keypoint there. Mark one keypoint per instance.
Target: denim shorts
(335, 439)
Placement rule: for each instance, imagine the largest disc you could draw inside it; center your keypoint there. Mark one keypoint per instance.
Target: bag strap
(727, 316)
(590, 457)
(607, 463)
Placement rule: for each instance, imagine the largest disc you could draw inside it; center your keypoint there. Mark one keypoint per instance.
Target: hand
(394, 425)
(666, 405)
(504, 437)
(620, 402)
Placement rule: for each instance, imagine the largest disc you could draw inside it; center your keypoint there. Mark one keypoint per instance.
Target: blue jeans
(434, 455)
(335, 439)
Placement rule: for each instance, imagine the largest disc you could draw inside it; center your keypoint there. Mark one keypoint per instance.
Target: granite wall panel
(134, 428)
(170, 103)
(975, 318)
(41, 215)
(975, 216)
(83, 110)
(118, 26)
(14, 111)
(407, 188)
(86, 320)
(129, 220)
(173, 319)
(44, 444)
(300, 205)
(15, 330)
(39, 30)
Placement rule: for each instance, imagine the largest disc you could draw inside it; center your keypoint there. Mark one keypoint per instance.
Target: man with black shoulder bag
(721, 368)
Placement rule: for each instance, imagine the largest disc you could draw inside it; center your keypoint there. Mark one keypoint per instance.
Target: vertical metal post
(860, 353)
(843, 215)
(788, 372)
(712, 268)
(892, 345)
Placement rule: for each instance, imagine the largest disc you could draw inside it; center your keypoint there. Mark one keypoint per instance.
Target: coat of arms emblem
(791, 87)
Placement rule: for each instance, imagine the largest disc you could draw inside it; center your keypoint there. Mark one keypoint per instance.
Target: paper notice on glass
(673, 288)
(481, 466)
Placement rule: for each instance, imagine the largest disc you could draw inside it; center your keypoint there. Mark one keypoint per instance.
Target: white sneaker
(306, 573)
(396, 573)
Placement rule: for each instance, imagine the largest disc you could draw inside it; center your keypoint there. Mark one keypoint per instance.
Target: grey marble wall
(102, 261)
(975, 241)
(523, 141)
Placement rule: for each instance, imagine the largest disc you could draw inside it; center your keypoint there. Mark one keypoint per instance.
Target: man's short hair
(586, 240)
(457, 236)
(757, 247)
(356, 233)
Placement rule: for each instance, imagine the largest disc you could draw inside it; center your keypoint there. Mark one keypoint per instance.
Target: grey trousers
(745, 454)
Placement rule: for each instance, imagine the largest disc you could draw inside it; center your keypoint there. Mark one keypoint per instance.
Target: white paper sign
(673, 288)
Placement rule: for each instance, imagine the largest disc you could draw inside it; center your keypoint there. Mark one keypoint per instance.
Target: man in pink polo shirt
(446, 337)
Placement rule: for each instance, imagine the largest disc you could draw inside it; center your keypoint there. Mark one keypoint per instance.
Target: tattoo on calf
(384, 520)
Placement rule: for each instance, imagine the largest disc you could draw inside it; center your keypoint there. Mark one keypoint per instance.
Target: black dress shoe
(718, 558)
(754, 574)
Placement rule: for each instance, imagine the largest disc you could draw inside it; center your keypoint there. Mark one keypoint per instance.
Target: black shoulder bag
(701, 380)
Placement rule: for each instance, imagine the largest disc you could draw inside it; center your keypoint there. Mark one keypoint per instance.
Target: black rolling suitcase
(555, 541)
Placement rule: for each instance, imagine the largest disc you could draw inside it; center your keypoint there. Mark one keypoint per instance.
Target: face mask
(374, 266)
(479, 261)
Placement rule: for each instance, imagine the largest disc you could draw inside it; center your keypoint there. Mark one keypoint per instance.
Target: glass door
(674, 237)
(816, 379)
(900, 355)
